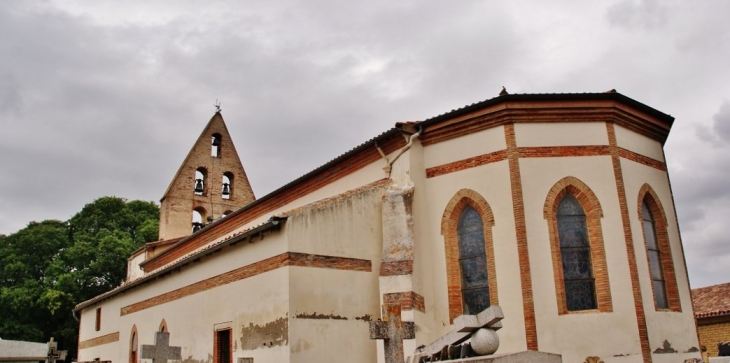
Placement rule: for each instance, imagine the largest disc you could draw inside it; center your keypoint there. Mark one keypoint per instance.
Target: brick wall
(711, 331)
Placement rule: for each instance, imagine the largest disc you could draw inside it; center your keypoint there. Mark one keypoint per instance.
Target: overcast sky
(106, 97)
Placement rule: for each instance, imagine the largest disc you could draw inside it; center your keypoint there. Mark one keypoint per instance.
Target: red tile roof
(711, 300)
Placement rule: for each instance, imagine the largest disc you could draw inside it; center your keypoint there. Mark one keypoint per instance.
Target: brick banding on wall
(628, 238)
(449, 223)
(641, 159)
(257, 268)
(594, 213)
(408, 300)
(395, 268)
(542, 152)
(466, 163)
(104, 339)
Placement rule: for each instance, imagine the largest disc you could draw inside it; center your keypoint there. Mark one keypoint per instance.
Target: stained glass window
(575, 252)
(473, 262)
(655, 262)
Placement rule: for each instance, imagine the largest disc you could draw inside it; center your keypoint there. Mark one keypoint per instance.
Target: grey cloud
(631, 14)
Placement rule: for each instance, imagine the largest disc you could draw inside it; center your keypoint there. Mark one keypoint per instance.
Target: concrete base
(529, 356)
(719, 359)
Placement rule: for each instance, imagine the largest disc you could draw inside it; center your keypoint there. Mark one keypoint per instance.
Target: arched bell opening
(215, 145)
(227, 187)
(199, 215)
(201, 175)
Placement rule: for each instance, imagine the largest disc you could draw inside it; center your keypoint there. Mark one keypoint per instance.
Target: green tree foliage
(48, 267)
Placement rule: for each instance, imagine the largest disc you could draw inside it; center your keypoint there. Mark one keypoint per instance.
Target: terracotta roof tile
(711, 300)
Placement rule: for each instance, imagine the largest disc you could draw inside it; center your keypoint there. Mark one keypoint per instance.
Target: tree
(48, 267)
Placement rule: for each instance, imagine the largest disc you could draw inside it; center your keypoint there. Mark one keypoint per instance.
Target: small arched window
(198, 218)
(133, 344)
(227, 187)
(226, 213)
(215, 145)
(200, 175)
(655, 258)
(575, 252)
(472, 262)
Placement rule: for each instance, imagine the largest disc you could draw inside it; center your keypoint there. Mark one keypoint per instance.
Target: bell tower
(210, 184)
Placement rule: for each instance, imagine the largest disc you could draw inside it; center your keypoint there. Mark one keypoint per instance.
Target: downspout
(73, 312)
(389, 163)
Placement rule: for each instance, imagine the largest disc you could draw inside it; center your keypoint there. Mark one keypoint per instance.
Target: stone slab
(521, 357)
(719, 359)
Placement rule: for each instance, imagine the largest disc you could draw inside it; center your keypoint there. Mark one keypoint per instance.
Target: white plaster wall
(638, 143)
(330, 310)
(561, 134)
(133, 269)
(191, 320)
(109, 325)
(368, 174)
(336, 228)
(478, 143)
(581, 334)
(678, 328)
(492, 182)
(231, 258)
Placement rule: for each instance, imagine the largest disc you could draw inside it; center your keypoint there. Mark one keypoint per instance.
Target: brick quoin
(408, 300)
(518, 208)
(630, 251)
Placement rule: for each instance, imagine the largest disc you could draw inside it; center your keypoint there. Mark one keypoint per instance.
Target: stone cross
(161, 352)
(53, 353)
(392, 330)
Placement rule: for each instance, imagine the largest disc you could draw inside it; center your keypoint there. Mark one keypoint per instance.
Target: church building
(556, 208)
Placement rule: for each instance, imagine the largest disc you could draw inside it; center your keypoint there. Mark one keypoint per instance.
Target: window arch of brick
(449, 224)
(593, 213)
(133, 345)
(163, 326)
(648, 196)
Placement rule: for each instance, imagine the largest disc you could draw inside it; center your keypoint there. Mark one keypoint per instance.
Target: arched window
(580, 269)
(200, 175)
(658, 251)
(471, 273)
(133, 344)
(655, 259)
(227, 187)
(215, 145)
(198, 218)
(575, 253)
(472, 262)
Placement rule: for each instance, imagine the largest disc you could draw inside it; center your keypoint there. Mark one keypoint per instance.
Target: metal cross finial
(217, 106)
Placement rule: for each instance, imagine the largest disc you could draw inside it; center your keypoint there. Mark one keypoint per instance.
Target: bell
(199, 186)
(216, 141)
(226, 189)
(197, 226)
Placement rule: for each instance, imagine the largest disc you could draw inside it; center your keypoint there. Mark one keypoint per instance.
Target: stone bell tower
(210, 184)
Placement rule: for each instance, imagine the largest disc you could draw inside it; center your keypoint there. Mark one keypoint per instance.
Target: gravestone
(392, 330)
(161, 352)
(53, 353)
